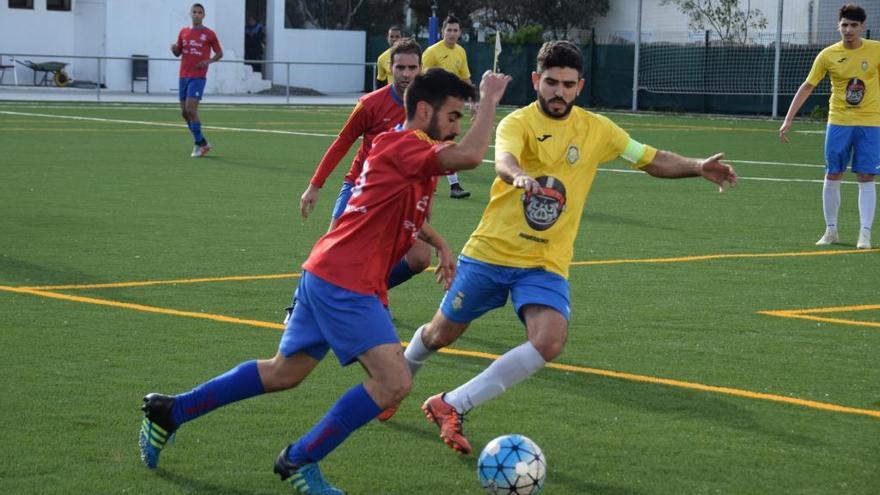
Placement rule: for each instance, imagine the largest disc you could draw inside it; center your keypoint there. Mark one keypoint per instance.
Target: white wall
(314, 45)
(34, 31)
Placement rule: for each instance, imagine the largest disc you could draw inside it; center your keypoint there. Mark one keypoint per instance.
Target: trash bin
(140, 70)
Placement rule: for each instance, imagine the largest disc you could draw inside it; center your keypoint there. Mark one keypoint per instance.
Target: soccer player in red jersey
(194, 45)
(342, 294)
(374, 114)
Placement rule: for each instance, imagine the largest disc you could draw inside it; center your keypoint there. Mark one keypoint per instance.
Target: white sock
(867, 203)
(831, 202)
(416, 352)
(452, 178)
(513, 367)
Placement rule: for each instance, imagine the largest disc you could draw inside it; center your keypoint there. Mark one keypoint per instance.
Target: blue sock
(400, 273)
(196, 129)
(239, 383)
(354, 409)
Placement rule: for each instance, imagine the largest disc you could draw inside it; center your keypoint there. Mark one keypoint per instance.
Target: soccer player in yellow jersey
(546, 156)
(448, 54)
(383, 63)
(853, 120)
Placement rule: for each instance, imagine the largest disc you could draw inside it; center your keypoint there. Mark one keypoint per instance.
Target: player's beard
(433, 130)
(545, 107)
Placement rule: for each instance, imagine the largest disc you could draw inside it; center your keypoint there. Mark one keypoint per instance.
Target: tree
(725, 18)
(321, 14)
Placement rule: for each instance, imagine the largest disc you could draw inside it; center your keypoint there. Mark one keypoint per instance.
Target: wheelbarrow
(59, 77)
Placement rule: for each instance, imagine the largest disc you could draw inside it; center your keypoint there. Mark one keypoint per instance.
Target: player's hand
(308, 200)
(492, 87)
(203, 63)
(445, 270)
(527, 184)
(175, 49)
(714, 170)
(783, 130)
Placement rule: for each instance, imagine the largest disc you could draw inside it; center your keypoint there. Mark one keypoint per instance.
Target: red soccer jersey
(388, 206)
(195, 45)
(374, 114)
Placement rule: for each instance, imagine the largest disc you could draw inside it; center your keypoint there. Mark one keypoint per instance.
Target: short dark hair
(434, 86)
(560, 53)
(852, 12)
(451, 19)
(197, 5)
(405, 45)
(396, 27)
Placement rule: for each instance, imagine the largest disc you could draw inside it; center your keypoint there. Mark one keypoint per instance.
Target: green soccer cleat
(156, 429)
(306, 478)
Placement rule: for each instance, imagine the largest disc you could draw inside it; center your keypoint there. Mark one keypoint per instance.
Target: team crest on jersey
(864, 65)
(573, 154)
(542, 210)
(203, 37)
(855, 91)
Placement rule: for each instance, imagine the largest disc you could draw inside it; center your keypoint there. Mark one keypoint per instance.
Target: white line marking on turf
(315, 134)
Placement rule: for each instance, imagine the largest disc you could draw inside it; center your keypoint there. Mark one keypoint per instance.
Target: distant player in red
(341, 295)
(194, 45)
(374, 114)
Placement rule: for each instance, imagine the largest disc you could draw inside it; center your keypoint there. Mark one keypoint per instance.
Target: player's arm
(507, 169)
(797, 102)
(445, 270)
(470, 151)
(354, 127)
(669, 165)
(175, 47)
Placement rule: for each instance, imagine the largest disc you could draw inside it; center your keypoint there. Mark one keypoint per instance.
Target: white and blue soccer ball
(512, 465)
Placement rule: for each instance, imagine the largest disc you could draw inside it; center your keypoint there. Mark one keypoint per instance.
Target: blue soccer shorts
(862, 143)
(191, 87)
(480, 287)
(327, 316)
(342, 199)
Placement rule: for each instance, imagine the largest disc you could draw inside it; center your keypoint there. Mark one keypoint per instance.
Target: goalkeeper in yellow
(853, 132)
(546, 156)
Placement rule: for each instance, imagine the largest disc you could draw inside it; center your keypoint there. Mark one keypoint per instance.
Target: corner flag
(497, 51)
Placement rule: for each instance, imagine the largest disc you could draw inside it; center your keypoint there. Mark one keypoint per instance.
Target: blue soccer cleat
(156, 429)
(306, 478)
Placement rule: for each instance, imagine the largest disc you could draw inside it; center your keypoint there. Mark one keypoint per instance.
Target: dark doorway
(255, 32)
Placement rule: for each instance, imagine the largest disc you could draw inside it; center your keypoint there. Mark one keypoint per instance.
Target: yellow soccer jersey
(855, 90)
(383, 66)
(452, 59)
(538, 231)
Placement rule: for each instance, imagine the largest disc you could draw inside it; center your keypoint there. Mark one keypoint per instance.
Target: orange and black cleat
(439, 412)
(387, 413)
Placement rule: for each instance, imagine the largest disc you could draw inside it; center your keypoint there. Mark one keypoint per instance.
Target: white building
(122, 28)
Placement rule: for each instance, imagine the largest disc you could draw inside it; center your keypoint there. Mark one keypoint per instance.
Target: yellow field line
(459, 352)
(811, 314)
(681, 259)
(832, 309)
(164, 282)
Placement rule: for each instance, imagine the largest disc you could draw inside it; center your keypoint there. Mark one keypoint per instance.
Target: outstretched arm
(507, 169)
(669, 165)
(797, 102)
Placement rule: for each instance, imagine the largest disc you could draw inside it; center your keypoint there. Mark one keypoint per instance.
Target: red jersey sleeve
(416, 156)
(215, 43)
(354, 127)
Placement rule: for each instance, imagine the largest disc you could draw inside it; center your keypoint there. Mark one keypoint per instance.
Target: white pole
(635, 99)
(778, 55)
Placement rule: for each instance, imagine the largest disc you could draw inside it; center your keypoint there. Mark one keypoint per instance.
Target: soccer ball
(512, 464)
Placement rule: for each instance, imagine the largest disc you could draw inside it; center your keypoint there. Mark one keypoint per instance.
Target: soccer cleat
(387, 414)
(306, 478)
(439, 412)
(830, 237)
(864, 239)
(156, 429)
(205, 148)
(197, 151)
(456, 192)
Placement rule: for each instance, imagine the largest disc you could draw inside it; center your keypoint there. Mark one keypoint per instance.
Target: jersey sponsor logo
(855, 91)
(841, 60)
(543, 209)
(864, 65)
(543, 137)
(573, 154)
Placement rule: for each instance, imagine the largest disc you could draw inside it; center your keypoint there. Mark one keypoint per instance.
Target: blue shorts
(327, 316)
(480, 287)
(191, 87)
(860, 142)
(342, 199)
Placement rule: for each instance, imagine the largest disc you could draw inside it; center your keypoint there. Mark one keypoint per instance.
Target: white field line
(315, 134)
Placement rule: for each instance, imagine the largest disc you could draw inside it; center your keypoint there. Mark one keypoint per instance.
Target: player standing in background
(342, 294)
(383, 63)
(448, 54)
(853, 120)
(374, 114)
(194, 45)
(546, 157)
